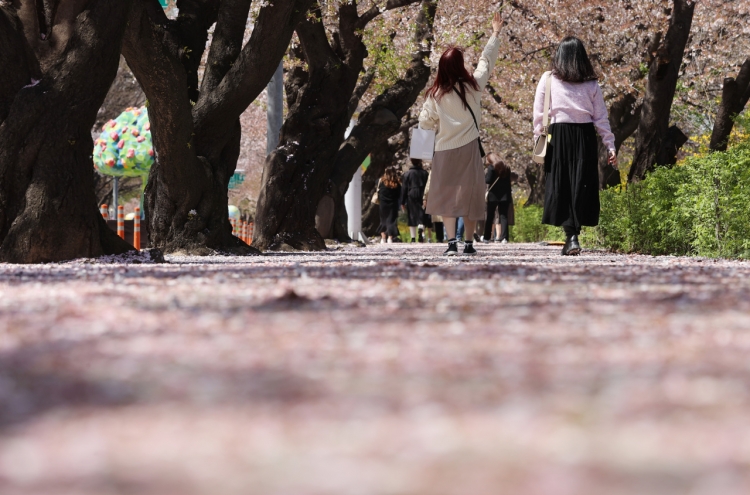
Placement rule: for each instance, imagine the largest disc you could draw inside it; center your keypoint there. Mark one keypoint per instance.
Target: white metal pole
(275, 112)
(115, 193)
(353, 202)
(353, 199)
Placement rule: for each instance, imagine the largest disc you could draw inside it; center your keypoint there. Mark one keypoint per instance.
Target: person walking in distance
(452, 108)
(412, 191)
(577, 112)
(389, 196)
(499, 197)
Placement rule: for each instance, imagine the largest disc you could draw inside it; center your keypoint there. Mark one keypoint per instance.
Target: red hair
(451, 73)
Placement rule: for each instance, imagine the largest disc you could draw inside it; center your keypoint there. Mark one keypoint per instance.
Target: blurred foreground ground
(380, 370)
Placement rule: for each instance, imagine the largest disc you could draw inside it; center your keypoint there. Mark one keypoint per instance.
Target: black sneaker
(469, 249)
(420, 236)
(413, 240)
(452, 248)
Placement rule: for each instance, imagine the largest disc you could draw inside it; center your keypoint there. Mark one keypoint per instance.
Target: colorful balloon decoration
(124, 148)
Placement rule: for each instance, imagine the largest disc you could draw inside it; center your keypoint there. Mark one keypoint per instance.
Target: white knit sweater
(452, 122)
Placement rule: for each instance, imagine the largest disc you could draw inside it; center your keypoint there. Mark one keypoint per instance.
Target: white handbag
(540, 145)
(422, 144)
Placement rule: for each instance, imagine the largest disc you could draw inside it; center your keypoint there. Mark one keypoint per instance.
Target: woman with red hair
(452, 108)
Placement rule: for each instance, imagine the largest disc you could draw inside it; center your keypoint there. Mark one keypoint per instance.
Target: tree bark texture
(196, 128)
(734, 96)
(59, 59)
(664, 71)
(382, 118)
(536, 178)
(624, 116)
(311, 161)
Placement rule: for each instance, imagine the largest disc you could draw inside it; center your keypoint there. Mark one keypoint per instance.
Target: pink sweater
(574, 103)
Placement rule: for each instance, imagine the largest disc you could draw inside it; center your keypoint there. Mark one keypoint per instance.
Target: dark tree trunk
(673, 141)
(58, 78)
(536, 179)
(390, 152)
(295, 176)
(664, 71)
(734, 96)
(299, 173)
(624, 116)
(382, 118)
(196, 129)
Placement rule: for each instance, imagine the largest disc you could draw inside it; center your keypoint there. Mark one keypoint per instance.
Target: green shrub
(529, 227)
(699, 207)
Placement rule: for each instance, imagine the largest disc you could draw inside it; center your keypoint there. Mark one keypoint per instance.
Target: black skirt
(389, 205)
(571, 197)
(414, 211)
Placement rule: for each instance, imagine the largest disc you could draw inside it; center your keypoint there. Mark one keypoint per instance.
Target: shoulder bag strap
(469, 107)
(547, 102)
(472, 116)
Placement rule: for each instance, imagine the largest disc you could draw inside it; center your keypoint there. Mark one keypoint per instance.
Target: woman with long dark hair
(499, 197)
(452, 108)
(577, 112)
(389, 196)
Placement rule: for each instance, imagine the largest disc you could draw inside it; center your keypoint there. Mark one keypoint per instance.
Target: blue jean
(460, 228)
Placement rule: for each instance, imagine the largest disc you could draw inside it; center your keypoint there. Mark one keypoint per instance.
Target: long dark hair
(501, 169)
(390, 178)
(451, 73)
(571, 62)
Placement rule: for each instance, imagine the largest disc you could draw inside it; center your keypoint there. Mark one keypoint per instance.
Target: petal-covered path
(381, 370)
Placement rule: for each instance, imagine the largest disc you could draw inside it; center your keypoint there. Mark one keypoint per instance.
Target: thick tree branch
(216, 112)
(316, 48)
(408, 125)
(359, 92)
(192, 25)
(39, 18)
(16, 54)
(382, 118)
(624, 117)
(735, 95)
(499, 100)
(375, 11)
(652, 147)
(152, 54)
(226, 44)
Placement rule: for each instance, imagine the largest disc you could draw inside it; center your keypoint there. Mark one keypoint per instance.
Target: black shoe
(572, 247)
(420, 235)
(413, 240)
(452, 248)
(476, 237)
(469, 249)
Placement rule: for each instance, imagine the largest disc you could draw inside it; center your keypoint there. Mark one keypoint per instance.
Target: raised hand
(497, 23)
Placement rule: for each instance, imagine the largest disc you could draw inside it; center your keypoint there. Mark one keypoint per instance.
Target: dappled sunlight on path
(379, 370)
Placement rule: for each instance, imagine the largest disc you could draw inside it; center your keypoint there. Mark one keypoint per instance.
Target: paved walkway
(380, 370)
